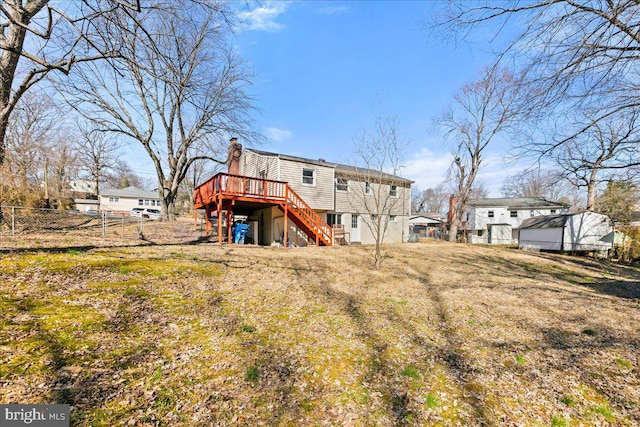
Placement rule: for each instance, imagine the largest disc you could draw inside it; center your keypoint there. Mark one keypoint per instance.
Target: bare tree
(98, 152)
(534, 183)
(62, 165)
(120, 175)
(376, 188)
(608, 147)
(37, 38)
(433, 199)
(578, 54)
(178, 90)
(31, 128)
(480, 111)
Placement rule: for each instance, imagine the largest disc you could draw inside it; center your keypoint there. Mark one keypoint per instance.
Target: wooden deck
(224, 191)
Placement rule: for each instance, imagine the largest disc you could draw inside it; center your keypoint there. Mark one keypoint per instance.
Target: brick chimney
(453, 199)
(233, 161)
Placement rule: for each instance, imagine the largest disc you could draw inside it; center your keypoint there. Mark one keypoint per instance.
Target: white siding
(583, 232)
(548, 239)
(479, 216)
(124, 204)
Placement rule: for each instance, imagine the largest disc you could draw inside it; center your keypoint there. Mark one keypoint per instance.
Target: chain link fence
(20, 221)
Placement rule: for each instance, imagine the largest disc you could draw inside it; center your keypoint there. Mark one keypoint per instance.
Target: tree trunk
(453, 230)
(591, 195)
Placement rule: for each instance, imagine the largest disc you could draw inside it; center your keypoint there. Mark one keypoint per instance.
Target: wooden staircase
(223, 191)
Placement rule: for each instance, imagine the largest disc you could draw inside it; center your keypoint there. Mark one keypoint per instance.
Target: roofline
(339, 167)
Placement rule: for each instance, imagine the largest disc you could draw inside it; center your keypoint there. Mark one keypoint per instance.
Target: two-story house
(495, 220)
(348, 199)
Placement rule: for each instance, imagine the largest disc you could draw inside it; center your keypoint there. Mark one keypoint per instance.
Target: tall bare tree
(606, 149)
(178, 89)
(98, 152)
(376, 188)
(32, 127)
(479, 112)
(578, 54)
(38, 37)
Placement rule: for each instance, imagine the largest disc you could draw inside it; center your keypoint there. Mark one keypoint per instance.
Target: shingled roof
(514, 203)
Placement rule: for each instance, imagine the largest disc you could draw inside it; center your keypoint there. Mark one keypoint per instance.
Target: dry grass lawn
(197, 334)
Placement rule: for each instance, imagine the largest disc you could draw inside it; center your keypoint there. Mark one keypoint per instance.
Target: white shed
(578, 232)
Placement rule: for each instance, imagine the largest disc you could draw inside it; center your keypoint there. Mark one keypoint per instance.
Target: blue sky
(324, 68)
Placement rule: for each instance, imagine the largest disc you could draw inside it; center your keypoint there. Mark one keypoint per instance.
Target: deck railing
(262, 189)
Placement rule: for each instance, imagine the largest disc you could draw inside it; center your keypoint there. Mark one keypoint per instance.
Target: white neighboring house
(495, 220)
(579, 232)
(82, 186)
(122, 200)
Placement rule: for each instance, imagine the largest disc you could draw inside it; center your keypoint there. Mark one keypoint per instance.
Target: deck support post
(219, 209)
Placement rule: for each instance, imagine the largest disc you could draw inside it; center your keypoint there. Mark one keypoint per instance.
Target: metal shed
(578, 232)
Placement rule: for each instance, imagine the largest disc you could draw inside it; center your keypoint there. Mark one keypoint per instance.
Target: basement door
(356, 225)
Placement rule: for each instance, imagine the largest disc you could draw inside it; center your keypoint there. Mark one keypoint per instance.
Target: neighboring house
(495, 220)
(83, 186)
(578, 232)
(337, 192)
(426, 224)
(122, 200)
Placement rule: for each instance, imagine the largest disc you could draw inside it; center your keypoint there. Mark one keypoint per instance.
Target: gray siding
(251, 164)
(320, 195)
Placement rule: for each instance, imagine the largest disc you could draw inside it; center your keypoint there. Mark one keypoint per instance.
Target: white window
(354, 221)
(491, 214)
(308, 176)
(513, 214)
(531, 214)
(140, 202)
(393, 192)
(146, 202)
(553, 211)
(342, 184)
(367, 188)
(114, 199)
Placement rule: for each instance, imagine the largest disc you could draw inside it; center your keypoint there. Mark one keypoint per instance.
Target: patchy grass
(202, 335)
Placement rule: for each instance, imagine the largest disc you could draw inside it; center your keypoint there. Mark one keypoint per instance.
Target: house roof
(132, 192)
(546, 221)
(513, 203)
(340, 168)
(425, 219)
(85, 201)
(553, 221)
